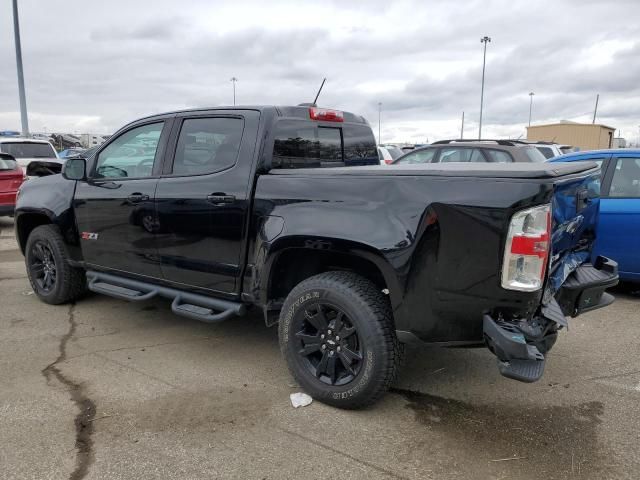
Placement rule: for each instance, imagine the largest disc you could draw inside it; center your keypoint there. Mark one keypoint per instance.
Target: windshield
(28, 150)
(7, 164)
(534, 154)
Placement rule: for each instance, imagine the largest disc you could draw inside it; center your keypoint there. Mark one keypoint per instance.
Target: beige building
(586, 136)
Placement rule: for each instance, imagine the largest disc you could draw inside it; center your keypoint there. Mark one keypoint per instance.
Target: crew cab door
(114, 207)
(203, 198)
(619, 228)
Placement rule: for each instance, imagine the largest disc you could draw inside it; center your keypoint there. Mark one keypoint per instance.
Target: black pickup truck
(286, 209)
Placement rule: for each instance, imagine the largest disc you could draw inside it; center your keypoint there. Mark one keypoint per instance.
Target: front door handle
(221, 198)
(137, 197)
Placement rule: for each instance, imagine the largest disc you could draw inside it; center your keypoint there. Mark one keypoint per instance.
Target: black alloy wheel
(328, 344)
(43, 267)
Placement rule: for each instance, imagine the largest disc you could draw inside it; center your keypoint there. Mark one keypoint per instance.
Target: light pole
(23, 98)
(531, 94)
(484, 40)
(379, 122)
(234, 80)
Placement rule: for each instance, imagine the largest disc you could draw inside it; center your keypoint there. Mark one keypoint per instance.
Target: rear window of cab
(305, 144)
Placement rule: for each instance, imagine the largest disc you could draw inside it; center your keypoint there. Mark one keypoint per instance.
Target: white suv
(26, 150)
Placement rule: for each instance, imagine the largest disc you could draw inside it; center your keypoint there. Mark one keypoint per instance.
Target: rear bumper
(584, 290)
(521, 345)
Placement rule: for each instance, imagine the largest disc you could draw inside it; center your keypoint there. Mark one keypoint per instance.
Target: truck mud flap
(517, 359)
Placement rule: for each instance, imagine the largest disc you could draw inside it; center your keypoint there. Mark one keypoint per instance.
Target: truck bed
(476, 170)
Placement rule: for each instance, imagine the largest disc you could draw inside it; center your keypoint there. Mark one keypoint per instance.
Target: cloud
(100, 66)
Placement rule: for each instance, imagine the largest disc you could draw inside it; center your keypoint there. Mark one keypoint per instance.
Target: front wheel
(53, 280)
(337, 335)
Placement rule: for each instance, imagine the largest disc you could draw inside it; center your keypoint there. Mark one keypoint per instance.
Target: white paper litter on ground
(300, 399)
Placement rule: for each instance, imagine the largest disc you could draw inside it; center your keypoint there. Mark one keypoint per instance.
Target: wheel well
(26, 224)
(295, 265)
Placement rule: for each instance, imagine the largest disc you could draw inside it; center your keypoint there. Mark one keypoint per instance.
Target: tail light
(326, 115)
(388, 162)
(527, 249)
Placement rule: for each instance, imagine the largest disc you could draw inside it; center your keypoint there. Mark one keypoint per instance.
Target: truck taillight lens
(325, 115)
(527, 249)
(388, 162)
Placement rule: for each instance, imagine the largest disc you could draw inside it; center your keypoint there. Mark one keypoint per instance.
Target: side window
(419, 156)
(207, 145)
(499, 156)
(131, 155)
(626, 178)
(461, 155)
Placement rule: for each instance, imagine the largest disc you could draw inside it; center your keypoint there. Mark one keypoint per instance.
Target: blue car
(619, 224)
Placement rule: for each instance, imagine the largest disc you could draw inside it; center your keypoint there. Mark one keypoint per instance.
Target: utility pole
(23, 98)
(595, 110)
(462, 127)
(379, 122)
(484, 40)
(531, 94)
(234, 80)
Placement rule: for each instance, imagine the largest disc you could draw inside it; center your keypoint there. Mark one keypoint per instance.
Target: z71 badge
(89, 236)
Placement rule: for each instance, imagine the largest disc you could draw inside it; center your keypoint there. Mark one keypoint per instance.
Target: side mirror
(75, 169)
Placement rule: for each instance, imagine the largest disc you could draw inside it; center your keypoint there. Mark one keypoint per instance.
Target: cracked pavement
(109, 389)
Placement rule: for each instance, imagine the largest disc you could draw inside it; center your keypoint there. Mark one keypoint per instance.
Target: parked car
(619, 224)
(71, 152)
(11, 177)
(259, 207)
(568, 148)
(548, 149)
(26, 150)
(388, 153)
(474, 151)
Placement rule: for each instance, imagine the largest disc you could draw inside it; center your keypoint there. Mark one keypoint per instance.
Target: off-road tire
(70, 282)
(369, 311)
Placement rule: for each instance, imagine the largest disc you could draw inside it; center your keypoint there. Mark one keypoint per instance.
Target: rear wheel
(337, 335)
(53, 280)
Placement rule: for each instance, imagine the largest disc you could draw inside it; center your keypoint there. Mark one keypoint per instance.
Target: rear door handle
(221, 198)
(138, 197)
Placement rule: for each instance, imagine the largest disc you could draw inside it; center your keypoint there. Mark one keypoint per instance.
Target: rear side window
(418, 156)
(6, 164)
(546, 151)
(499, 156)
(534, 155)
(461, 155)
(207, 145)
(300, 144)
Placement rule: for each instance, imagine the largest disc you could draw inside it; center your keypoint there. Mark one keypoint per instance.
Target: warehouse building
(586, 136)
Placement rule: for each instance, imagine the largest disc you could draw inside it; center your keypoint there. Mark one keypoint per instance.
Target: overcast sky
(92, 66)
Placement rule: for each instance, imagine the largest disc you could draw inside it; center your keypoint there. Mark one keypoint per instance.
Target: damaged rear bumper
(521, 344)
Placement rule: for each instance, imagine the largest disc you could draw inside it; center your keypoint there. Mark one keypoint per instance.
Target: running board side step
(191, 305)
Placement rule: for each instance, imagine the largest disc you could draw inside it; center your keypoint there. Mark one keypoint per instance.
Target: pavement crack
(86, 407)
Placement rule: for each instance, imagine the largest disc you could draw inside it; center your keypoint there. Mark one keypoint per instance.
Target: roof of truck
(489, 170)
(300, 111)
